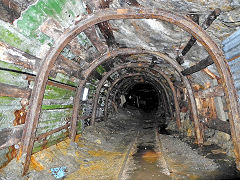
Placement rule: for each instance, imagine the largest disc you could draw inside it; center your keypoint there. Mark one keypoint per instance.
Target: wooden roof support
(198, 67)
(193, 40)
(14, 91)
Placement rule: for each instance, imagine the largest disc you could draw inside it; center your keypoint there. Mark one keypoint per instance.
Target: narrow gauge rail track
(146, 148)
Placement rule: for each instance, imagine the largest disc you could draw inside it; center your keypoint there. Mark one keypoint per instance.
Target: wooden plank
(15, 56)
(198, 67)
(211, 17)
(210, 92)
(14, 91)
(54, 83)
(66, 66)
(10, 136)
(104, 27)
(95, 40)
(219, 125)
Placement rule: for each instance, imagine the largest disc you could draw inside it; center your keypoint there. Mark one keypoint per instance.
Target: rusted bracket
(131, 13)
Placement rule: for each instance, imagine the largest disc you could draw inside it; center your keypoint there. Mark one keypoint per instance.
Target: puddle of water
(147, 167)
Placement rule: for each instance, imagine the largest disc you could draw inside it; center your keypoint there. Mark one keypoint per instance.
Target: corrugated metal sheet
(231, 45)
(231, 48)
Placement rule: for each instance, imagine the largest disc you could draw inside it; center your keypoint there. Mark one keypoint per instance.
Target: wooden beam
(14, 91)
(54, 83)
(199, 66)
(210, 92)
(211, 17)
(104, 27)
(66, 66)
(219, 125)
(15, 56)
(10, 136)
(211, 74)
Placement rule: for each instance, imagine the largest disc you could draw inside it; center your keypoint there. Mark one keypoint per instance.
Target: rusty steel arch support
(131, 13)
(128, 51)
(178, 120)
(164, 99)
(157, 81)
(170, 84)
(166, 95)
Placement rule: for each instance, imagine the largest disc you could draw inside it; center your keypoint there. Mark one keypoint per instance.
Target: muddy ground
(129, 145)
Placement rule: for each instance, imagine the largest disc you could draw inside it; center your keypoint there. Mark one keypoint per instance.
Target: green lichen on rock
(56, 106)
(100, 69)
(62, 11)
(9, 37)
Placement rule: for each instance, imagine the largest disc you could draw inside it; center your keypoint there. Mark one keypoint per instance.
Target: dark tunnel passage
(143, 96)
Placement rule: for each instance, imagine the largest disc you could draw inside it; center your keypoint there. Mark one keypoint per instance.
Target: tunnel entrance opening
(143, 96)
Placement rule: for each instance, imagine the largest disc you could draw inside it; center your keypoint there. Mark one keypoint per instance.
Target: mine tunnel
(119, 89)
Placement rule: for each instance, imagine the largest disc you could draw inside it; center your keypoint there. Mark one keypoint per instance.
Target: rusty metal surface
(132, 65)
(165, 98)
(95, 101)
(133, 13)
(126, 51)
(170, 84)
(164, 95)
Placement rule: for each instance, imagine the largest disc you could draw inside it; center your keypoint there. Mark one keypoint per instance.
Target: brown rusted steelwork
(210, 92)
(166, 98)
(95, 101)
(178, 120)
(126, 51)
(170, 84)
(132, 65)
(132, 13)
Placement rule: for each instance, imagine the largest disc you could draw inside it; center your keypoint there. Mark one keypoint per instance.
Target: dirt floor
(130, 145)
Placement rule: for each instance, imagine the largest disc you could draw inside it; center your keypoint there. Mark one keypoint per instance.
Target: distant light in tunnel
(85, 94)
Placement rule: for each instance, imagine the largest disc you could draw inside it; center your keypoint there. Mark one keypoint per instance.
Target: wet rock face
(168, 38)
